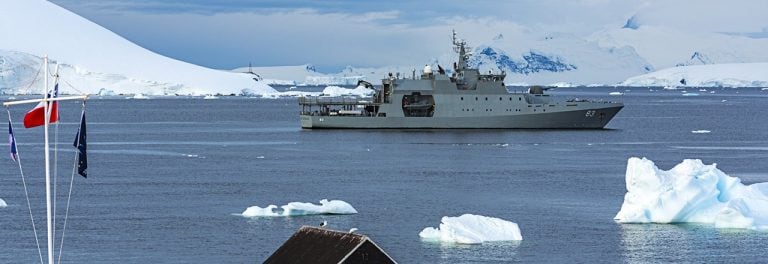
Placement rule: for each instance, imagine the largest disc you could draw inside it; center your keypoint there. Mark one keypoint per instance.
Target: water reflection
(698, 243)
(491, 252)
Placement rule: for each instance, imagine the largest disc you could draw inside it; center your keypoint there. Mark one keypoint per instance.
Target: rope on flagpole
(36, 76)
(69, 196)
(55, 146)
(26, 193)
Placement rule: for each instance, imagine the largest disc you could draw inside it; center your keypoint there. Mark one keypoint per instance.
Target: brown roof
(319, 245)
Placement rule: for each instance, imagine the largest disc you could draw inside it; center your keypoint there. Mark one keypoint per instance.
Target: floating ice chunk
(691, 192)
(701, 131)
(325, 207)
(2, 203)
(105, 92)
(210, 97)
(139, 96)
(615, 93)
(298, 208)
(339, 91)
(690, 94)
(472, 229)
(255, 211)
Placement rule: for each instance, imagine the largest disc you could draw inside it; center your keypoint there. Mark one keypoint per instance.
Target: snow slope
(713, 75)
(93, 57)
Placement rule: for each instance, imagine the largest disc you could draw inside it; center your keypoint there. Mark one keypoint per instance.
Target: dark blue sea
(168, 176)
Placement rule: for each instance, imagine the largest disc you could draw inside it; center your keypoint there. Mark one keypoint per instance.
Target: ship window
(499, 98)
(462, 98)
(486, 98)
(519, 98)
(475, 98)
(510, 98)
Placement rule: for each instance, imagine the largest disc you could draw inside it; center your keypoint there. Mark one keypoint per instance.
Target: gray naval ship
(464, 99)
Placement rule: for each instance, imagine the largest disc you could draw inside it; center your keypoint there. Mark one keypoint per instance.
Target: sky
(226, 34)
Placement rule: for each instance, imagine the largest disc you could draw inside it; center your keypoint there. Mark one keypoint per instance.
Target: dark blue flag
(80, 144)
(12, 143)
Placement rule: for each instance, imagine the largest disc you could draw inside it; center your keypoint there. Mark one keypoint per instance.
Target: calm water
(167, 175)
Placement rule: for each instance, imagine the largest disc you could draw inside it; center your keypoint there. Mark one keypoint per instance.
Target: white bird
(352, 230)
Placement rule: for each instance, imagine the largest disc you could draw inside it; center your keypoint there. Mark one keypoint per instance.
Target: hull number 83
(590, 113)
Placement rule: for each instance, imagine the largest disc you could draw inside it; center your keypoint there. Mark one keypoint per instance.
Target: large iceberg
(691, 192)
(299, 208)
(472, 229)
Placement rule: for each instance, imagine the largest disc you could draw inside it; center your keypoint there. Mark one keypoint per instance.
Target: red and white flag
(36, 116)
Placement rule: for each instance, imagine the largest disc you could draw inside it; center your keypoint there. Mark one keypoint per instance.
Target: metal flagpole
(45, 100)
(47, 166)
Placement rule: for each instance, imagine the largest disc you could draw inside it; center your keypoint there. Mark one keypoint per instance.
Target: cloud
(331, 34)
(739, 16)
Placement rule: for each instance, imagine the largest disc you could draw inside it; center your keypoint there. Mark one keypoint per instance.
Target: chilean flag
(36, 116)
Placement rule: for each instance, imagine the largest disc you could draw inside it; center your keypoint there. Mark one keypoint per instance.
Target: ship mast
(460, 47)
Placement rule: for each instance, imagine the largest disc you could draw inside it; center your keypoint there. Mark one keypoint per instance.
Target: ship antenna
(460, 46)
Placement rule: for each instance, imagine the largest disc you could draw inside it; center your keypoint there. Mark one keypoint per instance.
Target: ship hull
(591, 118)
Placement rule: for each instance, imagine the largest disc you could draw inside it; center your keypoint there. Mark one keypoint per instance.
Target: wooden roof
(319, 245)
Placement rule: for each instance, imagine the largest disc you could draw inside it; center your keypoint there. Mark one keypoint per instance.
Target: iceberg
(472, 229)
(691, 192)
(299, 208)
(339, 91)
(2, 203)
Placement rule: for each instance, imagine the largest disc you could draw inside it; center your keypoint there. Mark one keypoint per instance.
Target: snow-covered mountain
(300, 75)
(714, 75)
(93, 58)
(665, 47)
(609, 56)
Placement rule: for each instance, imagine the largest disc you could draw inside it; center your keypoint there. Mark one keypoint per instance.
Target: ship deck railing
(352, 100)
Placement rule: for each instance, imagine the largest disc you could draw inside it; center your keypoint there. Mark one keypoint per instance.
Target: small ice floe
(139, 96)
(723, 101)
(691, 192)
(615, 93)
(700, 131)
(192, 155)
(2, 202)
(210, 97)
(690, 94)
(711, 92)
(260, 157)
(298, 208)
(702, 90)
(472, 229)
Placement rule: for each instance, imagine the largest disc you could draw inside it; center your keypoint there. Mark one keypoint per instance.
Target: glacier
(299, 209)
(711, 75)
(472, 229)
(93, 58)
(691, 192)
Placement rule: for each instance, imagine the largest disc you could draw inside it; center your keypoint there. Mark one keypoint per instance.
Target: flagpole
(47, 165)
